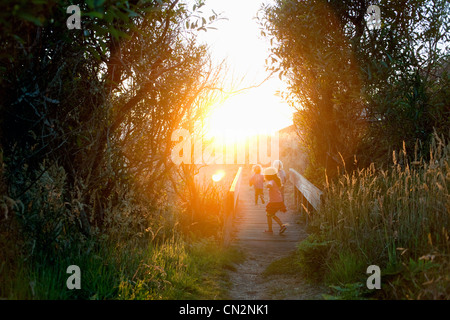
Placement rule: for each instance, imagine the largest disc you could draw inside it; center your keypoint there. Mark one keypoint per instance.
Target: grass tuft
(397, 219)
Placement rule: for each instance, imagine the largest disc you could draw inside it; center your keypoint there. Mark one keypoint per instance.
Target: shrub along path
(251, 280)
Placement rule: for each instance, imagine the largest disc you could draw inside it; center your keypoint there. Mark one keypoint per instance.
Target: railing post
(305, 193)
(231, 202)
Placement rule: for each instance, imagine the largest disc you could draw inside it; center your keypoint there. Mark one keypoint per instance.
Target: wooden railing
(306, 194)
(231, 203)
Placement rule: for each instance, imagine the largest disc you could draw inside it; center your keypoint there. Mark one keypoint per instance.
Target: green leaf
(132, 13)
(90, 4)
(95, 54)
(93, 14)
(98, 3)
(31, 18)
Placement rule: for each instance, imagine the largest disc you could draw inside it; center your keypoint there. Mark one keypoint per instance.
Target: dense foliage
(361, 94)
(361, 91)
(397, 219)
(86, 119)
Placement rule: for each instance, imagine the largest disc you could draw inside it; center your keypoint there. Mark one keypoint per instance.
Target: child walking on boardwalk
(276, 202)
(257, 180)
(277, 164)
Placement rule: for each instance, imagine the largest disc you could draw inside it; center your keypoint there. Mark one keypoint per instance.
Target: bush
(313, 253)
(345, 268)
(391, 218)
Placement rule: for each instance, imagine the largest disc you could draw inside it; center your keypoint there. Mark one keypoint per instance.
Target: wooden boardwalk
(260, 248)
(250, 222)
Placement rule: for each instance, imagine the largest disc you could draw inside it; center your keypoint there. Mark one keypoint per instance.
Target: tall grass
(132, 271)
(141, 252)
(397, 219)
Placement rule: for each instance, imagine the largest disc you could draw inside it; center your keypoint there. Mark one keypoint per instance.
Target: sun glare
(218, 176)
(246, 115)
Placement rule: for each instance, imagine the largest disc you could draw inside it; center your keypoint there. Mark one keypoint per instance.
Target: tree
(314, 55)
(346, 81)
(100, 102)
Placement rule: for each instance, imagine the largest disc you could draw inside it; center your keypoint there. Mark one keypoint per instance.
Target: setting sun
(250, 113)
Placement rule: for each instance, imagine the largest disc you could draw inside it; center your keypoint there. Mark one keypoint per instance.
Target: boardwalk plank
(250, 221)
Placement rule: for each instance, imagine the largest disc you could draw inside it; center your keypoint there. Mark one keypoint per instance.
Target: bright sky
(238, 40)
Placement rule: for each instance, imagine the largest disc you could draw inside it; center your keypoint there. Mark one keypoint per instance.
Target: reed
(397, 219)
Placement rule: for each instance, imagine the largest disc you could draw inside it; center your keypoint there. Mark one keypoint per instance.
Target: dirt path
(248, 281)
